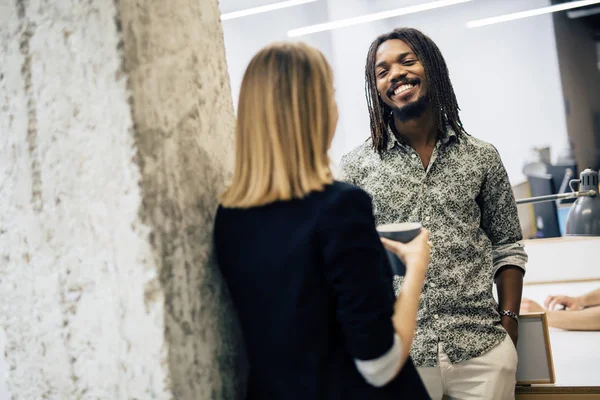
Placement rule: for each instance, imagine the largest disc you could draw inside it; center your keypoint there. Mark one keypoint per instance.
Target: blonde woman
(299, 251)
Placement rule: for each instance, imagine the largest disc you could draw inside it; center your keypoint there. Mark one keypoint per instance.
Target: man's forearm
(509, 282)
(581, 320)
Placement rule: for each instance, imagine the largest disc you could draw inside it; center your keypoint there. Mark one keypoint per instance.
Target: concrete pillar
(116, 136)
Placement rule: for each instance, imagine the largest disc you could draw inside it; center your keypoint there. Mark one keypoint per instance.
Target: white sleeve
(381, 370)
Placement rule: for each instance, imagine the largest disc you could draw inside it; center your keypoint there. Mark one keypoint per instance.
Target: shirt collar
(392, 139)
(448, 136)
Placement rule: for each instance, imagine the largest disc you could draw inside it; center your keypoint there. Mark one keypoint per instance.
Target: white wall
(505, 76)
(244, 37)
(350, 46)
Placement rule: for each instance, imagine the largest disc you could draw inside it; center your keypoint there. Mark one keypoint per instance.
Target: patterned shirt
(465, 199)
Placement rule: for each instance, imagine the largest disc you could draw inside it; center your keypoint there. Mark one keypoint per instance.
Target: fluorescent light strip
(263, 9)
(342, 23)
(531, 13)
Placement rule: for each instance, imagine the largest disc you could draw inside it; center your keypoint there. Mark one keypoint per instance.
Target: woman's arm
(591, 299)
(587, 319)
(360, 280)
(415, 255)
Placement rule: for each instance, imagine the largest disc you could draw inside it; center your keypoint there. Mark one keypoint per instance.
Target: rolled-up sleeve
(499, 217)
(381, 370)
(509, 254)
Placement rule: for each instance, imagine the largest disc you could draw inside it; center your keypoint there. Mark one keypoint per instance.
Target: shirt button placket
(423, 201)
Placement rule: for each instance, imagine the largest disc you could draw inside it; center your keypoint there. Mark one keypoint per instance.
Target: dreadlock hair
(440, 91)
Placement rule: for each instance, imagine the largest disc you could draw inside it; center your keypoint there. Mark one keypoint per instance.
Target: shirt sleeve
(499, 217)
(381, 370)
(358, 274)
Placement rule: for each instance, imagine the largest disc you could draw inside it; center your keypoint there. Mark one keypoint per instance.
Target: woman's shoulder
(340, 191)
(336, 194)
(341, 198)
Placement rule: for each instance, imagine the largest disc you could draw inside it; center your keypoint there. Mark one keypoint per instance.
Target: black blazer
(312, 285)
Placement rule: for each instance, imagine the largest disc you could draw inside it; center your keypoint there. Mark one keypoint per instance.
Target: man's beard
(412, 110)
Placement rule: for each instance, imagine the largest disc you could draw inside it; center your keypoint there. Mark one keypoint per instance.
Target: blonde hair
(285, 125)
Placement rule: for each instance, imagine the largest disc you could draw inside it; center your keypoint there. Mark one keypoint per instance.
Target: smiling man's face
(401, 80)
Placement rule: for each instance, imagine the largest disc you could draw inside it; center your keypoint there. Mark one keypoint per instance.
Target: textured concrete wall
(175, 58)
(115, 132)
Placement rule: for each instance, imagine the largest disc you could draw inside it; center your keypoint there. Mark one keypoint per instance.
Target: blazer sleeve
(358, 274)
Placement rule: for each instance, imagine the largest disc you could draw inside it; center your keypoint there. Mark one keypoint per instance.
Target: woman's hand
(569, 303)
(530, 306)
(415, 254)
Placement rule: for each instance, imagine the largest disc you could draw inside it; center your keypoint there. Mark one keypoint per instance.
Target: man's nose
(397, 73)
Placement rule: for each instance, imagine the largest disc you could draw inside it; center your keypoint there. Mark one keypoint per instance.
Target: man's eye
(409, 62)
(381, 73)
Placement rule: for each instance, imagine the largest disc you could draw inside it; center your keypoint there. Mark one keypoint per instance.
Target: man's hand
(512, 328)
(530, 306)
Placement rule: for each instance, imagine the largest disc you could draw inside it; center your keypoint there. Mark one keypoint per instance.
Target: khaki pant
(491, 376)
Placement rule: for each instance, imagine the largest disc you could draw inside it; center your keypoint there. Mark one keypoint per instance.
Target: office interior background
(116, 137)
(529, 86)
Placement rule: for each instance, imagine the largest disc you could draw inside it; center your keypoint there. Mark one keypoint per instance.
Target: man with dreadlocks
(421, 166)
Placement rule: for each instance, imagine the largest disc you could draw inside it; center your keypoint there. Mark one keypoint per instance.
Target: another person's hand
(415, 254)
(530, 306)
(569, 303)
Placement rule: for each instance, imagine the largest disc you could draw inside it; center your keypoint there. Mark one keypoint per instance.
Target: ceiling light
(373, 17)
(263, 9)
(531, 13)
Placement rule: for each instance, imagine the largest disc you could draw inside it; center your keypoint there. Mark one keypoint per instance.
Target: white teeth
(403, 88)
